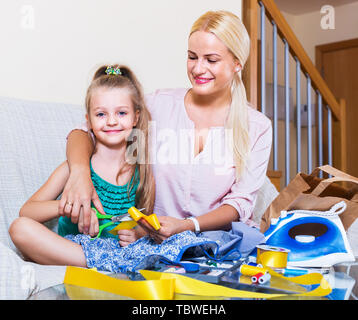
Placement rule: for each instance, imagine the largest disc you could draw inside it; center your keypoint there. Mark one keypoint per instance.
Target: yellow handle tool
(136, 215)
(151, 219)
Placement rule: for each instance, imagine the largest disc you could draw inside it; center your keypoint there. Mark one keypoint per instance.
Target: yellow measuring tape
(164, 286)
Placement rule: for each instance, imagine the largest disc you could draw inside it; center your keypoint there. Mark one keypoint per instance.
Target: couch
(32, 143)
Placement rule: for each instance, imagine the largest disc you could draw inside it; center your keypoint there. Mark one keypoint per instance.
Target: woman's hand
(76, 198)
(168, 227)
(127, 237)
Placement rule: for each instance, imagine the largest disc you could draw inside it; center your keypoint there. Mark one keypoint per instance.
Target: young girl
(115, 106)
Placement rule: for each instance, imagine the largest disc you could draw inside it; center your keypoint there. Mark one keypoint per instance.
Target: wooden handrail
(343, 129)
(296, 49)
(249, 75)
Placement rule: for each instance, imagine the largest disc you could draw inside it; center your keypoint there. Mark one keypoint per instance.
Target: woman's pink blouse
(188, 185)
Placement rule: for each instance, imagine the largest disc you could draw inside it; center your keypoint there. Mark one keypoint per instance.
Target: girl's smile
(112, 116)
(112, 131)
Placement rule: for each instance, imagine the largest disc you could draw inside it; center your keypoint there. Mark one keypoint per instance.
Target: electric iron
(314, 238)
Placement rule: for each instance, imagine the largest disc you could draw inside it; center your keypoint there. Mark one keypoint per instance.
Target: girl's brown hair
(145, 194)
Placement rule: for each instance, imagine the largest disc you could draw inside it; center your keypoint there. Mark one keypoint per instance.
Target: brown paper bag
(309, 192)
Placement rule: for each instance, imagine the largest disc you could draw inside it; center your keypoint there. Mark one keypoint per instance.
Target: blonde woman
(208, 172)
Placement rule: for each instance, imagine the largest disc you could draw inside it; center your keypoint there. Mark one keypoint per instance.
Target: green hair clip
(115, 71)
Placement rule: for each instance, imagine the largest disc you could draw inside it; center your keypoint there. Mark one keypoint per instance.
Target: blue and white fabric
(106, 254)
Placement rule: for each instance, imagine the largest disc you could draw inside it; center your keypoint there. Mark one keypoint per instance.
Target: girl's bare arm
(42, 205)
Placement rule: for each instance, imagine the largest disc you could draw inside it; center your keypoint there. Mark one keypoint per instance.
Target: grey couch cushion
(32, 145)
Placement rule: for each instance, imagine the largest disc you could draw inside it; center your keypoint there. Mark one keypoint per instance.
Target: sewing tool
(259, 275)
(152, 219)
(124, 218)
(294, 272)
(189, 267)
(260, 278)
(136, 215)
(192, 270)
(250, 271)
(271, 256)
(254, 264)
(255, 278)
(314, 238)
(203, 262)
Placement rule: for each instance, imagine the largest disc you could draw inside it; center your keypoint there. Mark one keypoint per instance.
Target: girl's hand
(169, 227)
(77, 196)
(94, 226)
(127, 237)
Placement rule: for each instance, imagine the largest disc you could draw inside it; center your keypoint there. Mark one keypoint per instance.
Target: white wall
(55, 60)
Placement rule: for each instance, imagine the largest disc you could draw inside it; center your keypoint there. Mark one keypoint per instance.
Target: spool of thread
(270, 256)
(256, 277)
(264, 278)
(255, 264)
(250, 271)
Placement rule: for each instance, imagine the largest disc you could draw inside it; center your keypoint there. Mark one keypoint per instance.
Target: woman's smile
(210, 65)
(202, 80)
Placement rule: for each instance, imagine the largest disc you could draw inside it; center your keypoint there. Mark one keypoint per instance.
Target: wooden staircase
(255, 11)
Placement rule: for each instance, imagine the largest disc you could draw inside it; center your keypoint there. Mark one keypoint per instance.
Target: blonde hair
(231, 31)
(145, 194)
